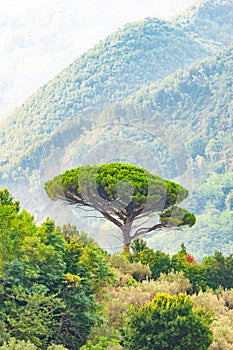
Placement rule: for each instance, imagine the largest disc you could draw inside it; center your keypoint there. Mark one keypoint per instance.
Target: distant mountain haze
(209, 20)
(39, 38)
(137, 55)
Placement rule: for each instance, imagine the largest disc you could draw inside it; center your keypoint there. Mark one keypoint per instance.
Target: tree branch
(111, 218)
(143, 231)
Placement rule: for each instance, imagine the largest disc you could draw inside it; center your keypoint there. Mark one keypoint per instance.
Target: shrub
(126, 269)
(168, 322)
(120, 299)
(173, 283)
(102, 343)
(223, 332)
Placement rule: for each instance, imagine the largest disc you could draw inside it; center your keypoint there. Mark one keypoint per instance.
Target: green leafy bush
(168, 322)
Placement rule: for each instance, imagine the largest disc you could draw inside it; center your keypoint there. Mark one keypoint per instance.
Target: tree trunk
(126, 237)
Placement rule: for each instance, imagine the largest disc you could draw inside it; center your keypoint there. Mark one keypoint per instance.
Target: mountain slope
(198, 102)
(182, 131)
(137, 55)
(194, 104)
(177, 125)
(211, 20)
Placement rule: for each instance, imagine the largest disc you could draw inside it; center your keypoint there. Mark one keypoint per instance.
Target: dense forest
(60, 290)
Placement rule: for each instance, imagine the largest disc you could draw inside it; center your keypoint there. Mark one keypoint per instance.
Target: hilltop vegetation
(209, 20)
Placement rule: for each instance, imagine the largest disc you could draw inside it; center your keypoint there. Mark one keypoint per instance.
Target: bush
(120, 299)
(223, 332)
(126, 269)
(14, 344)
(211, 300)
(173, 283)
(220, 301)
(168, 322)
(102, 343)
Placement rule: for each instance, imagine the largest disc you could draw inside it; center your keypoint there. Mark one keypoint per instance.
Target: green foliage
(219, 270)
(177, 217)
(32, 315)
(14, 344)
(48, 284)
(14, 227)
(4, 336)
(158, 261)
(125, 183)
(80, 314)
(168, 323)
(119, 299)
(56, 347)
(99, 271)
(103, 343)
(71, 232)
(122, 193)
(6, 199)
(138, 245)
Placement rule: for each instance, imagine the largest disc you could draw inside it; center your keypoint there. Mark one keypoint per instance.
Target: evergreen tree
(123, 193)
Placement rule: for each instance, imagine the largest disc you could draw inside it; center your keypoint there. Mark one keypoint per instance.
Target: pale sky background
(38, 38)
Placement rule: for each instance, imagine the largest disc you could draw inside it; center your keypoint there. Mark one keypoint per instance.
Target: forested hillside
(198, 102)
(193, 110)
(174, 118)
(135, 56)
(209, 20)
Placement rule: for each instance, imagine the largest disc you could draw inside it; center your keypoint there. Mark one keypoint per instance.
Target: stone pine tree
(124, 194)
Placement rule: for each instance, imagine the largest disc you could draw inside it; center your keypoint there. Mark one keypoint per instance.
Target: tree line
(59, 289)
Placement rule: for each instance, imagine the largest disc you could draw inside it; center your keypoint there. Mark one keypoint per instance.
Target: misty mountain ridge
(209, 20)
(140, 53)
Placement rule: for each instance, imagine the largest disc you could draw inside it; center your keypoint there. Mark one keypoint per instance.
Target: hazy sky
(40, 37)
